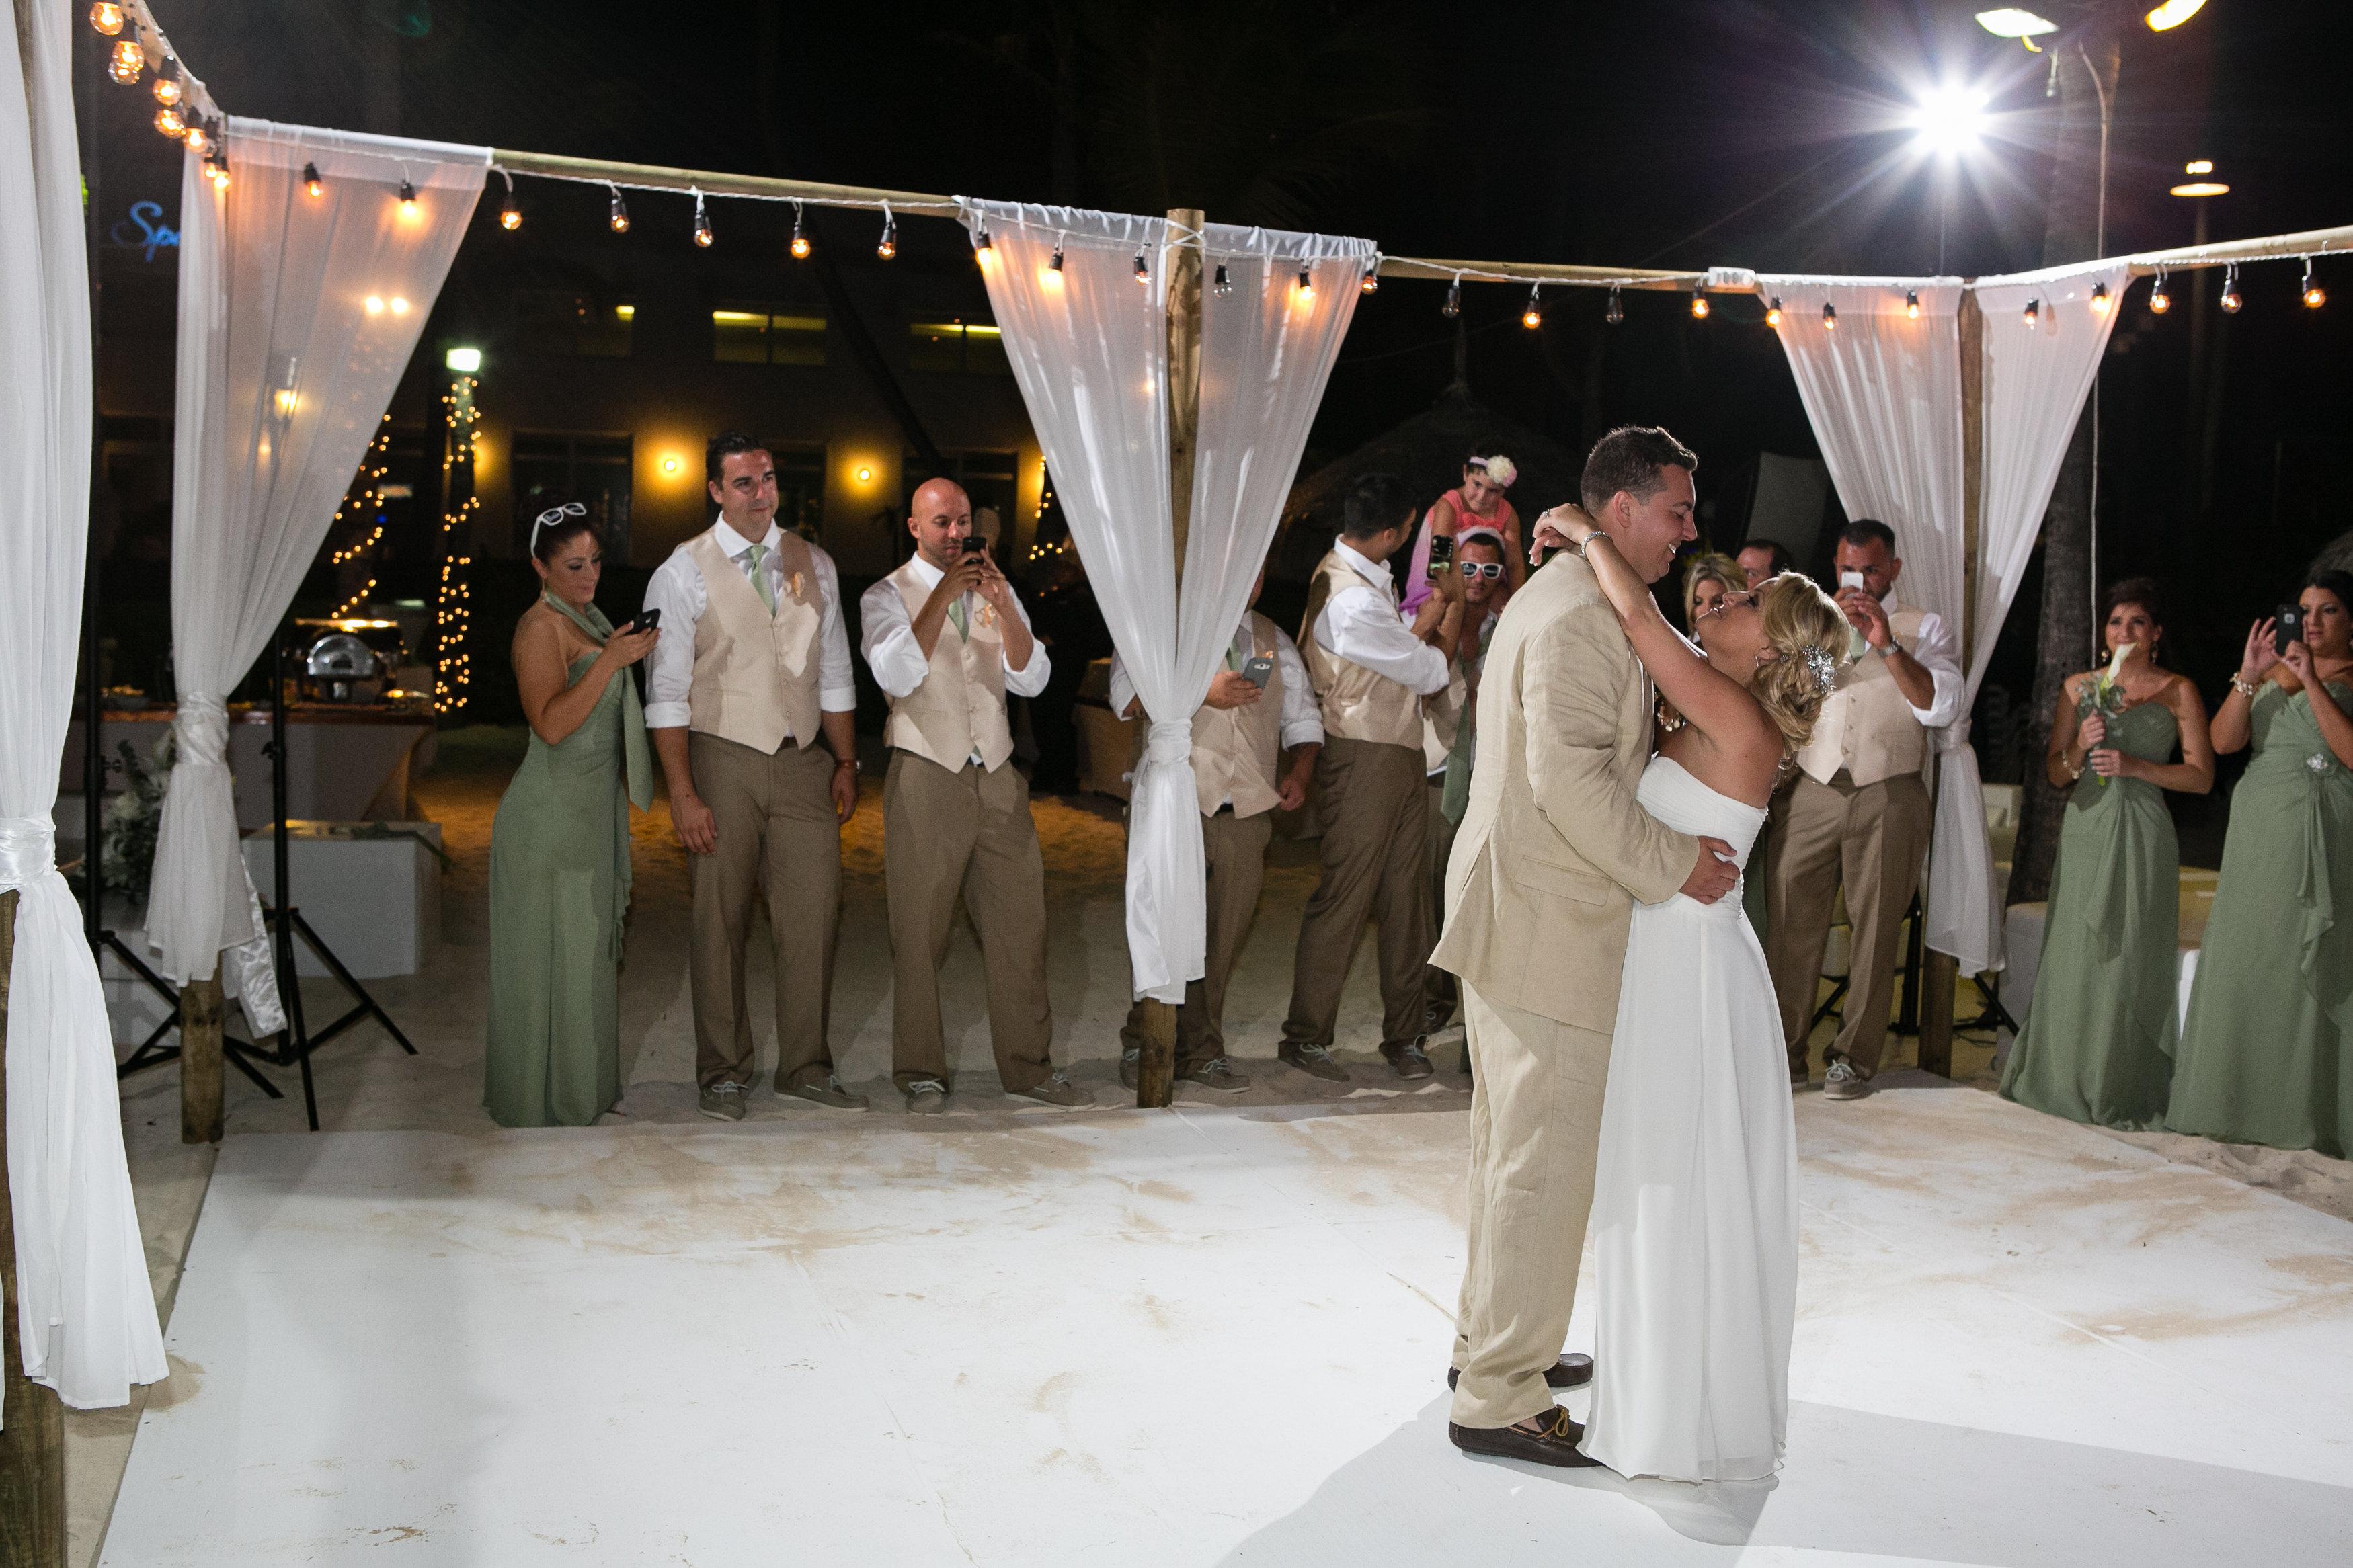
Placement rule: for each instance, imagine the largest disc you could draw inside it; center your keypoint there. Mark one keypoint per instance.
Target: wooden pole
(1941, 979)
(200, 1059)
(1156, 1066)
(32, 1422)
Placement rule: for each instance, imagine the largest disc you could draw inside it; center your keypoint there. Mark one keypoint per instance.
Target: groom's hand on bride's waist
(1714, 874)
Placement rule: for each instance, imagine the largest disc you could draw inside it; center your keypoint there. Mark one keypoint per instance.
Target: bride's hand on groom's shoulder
(1558, 529)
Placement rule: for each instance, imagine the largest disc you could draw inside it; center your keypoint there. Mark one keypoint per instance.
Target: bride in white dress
(1694, 1219)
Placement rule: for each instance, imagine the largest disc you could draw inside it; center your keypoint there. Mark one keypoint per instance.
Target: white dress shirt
(1363, 627)
(1302, 722)
(1933, 649)
(897, 659)
(678, 591)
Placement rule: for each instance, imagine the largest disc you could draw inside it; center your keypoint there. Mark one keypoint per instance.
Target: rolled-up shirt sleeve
(888, 640)
(1303, 721)
(1029, 679)
(1936, 651)
(1364, 628)
(837, 682)
(676, 589)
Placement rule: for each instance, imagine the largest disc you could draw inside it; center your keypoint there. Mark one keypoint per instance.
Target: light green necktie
(757, 554)
(957, 613)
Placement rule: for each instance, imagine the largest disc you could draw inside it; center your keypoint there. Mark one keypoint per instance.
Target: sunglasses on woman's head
(1475, 569)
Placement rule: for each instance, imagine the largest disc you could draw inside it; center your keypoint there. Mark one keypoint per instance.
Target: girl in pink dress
(1477, 502)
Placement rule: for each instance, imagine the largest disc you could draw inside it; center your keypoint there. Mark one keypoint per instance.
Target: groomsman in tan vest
(1858, 814)
(1370, 670)
(1240, 736)
(1552, 855)
(754, 668)
(946, 640)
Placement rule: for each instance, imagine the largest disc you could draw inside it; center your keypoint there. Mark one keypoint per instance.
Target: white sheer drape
(84, 1311)
(298, 314)
(1088, 343)
(1883, 389)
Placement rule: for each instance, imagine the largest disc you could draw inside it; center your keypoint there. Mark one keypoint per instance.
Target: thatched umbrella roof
(1426, 451)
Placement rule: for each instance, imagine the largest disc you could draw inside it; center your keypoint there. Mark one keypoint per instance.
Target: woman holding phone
(2266, 1053)
(2098, 1042)
(560, 844)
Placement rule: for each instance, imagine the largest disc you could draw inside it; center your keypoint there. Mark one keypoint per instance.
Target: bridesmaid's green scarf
(637, 757)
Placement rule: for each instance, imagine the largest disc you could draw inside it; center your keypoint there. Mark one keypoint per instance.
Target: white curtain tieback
(29, 850)
(1954, 737)
(201, 730)
(1169, 742)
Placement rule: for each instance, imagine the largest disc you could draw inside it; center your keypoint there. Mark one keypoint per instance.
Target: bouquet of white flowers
(2107, 697)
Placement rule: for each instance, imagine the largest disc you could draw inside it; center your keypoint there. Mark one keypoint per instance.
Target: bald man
(946, 640)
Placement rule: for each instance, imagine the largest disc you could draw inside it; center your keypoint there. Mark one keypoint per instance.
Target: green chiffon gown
(559, 887)
(2267, 1055)
(2097, 1044)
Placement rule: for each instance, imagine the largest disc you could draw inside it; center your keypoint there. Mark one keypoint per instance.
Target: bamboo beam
(1545, 273)
(1155, 1065)
(201, 1008)
(715, 182)
(32, 1421)
(2270, 247)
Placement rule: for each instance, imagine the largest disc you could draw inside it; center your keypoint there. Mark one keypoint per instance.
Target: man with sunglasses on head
(1449, 736)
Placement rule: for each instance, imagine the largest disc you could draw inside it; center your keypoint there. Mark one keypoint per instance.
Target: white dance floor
(1211, 1336)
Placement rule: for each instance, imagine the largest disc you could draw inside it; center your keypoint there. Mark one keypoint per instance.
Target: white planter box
(372, 893)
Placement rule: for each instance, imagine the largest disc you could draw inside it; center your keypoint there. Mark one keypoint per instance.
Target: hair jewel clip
(553, 515)
(1825, 667)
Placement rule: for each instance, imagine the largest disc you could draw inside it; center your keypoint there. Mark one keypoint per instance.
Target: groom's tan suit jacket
(1553, 849)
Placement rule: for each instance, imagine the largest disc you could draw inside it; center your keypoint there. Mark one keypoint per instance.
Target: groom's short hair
(1629, 458)
(1375, 502)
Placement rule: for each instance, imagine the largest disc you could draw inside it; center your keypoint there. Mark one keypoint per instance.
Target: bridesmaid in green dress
(2097, 1044)
(2267, 1053)
(560, 846)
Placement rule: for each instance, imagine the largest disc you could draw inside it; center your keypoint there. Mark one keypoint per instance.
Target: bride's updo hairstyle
(1807, 633)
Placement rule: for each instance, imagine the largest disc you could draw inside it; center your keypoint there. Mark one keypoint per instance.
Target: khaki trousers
(1873, 839)
(1438, 984)
(779, 837)
(967, 832)
(1535, 1130)
(1375, 833)
(1235, 850)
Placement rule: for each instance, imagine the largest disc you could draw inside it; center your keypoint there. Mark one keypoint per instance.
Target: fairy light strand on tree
(452, 609)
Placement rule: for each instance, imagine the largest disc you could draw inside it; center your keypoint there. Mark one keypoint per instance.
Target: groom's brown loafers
(1554, 1444)
(1571, 1371)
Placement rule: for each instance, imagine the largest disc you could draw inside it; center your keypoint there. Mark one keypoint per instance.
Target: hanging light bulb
(2100, 298)
(1773, 312)
(217, 169)
(620, 218)
(1054, 262)
(196, 139)
(2033, 314)
(1698, 306)
(1143, 271)
(1912, 304)
(888, 245)
(1616, 312)
(1532, 316)
(800, 246)
(127, 61)
(2314, 296)
(1225, 281)
(509, 215)
(107, 17)
(1306, 284)
(2230, 300)
(167, 83)
(2159, 301)
(1453, 306)
(408, 200)
(981, 248)
(310, 181)
(1372, 281)
(167, 120)
(1829, 317)
(701, 223)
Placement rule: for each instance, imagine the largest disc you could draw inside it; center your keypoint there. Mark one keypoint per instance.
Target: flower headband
(552, 516)
(1499, 468)
(1824, 668)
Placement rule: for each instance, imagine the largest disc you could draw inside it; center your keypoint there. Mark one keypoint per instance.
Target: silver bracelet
(2245, 689)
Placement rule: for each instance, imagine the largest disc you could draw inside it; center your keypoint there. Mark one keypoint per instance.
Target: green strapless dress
(2097, 1044)
(559, 887)
(2267, 1055)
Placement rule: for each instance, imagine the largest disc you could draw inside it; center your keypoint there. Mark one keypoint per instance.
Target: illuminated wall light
(618, 214)
(1912, 304)
(1698, 306)
(1532, 317)
(865, 476)
(127, 61)
(107, 17)
(2230, 300)
(669, 464)
(1773, 312)
(2314, 296)
(310, 181)
(1829, 317)
(800, 245)
(2100, 298)
(2159, 301)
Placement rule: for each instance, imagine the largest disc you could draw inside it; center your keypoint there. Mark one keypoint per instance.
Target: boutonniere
(987, 614)
(796, 585)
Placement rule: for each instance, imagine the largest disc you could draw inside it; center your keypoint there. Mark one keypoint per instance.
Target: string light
(888, 245)
(1372, 281)
(2159, 301)
(1533, 317)
(167, 120)
(216, 167)
(2033, 314)
(620, 218)
(701, 223)
(1829, 317)
(1453, 306)
(1143, 272)
(1698, 306)
(1912, 304)
(2314, 296)
(2230, 300)
(1773, 312)
(167, 82)
(107, 17)
(982, 249)
(453, 609)
(407, 199)
(196, 139)
(1306, 284)
(310, 181)
(2100, 298)
(800, 246)
(127, 61)
(1616, 312)
(509, 215)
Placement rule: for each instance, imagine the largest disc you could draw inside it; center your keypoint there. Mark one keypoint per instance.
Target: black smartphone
(1441, 549)
(2288, 628)
(973, 544)
(1259, 671)
(645, 620)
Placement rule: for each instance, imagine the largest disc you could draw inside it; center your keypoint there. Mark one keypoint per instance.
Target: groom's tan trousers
(1535, 1128)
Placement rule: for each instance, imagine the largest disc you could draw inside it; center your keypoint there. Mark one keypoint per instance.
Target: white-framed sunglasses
(1473, 570)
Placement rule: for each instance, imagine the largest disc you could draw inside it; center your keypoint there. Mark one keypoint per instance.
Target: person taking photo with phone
(2266, 1053)
(560, 844)
(753, 670)
(1260, 708)
(1858, 816)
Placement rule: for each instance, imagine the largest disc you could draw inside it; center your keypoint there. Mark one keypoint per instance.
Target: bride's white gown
(1695, 1198)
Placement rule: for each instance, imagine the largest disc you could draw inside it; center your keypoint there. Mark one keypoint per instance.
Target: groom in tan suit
(1550, 858)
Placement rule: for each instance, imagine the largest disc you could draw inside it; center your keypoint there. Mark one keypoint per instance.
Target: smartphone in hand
(2287, 627)
(1259, 671)
(1441, 550)
(646, 620)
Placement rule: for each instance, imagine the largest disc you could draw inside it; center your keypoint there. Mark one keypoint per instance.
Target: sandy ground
(365, 1082)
